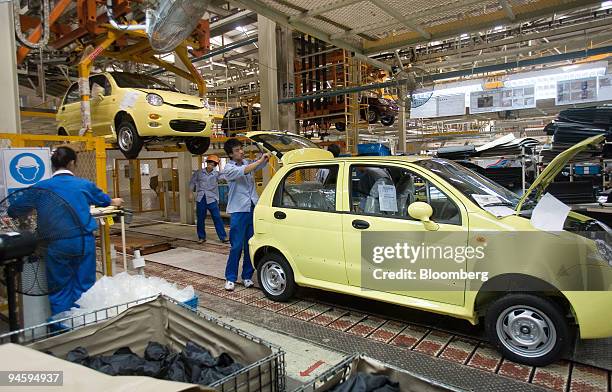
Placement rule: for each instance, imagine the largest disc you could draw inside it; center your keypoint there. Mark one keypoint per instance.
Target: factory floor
(318, 328)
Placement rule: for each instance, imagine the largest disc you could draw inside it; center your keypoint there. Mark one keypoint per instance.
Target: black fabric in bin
(364, 382)
(193, 365)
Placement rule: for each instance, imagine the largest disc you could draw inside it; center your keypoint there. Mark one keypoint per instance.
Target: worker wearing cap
(205, 183)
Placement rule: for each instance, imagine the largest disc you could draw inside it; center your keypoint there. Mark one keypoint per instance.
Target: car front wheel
(387, 120)
(197, 145)
(528, 329)
(128, 140)
(276, 277)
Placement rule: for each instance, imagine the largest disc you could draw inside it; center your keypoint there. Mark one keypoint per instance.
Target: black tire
(340, 126)
(531, 314)
(387, 121)
(197, 145)
(272, 270)
(62, 132)
(128, 140)
(372, 117)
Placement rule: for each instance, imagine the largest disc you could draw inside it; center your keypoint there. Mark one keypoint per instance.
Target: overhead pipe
(44, 21)
(456, 74)
(213, 53)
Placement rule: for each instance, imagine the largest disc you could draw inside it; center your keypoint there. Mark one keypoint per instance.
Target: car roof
(373, 159)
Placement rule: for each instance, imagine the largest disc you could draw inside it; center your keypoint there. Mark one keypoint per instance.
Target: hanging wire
(44, 39)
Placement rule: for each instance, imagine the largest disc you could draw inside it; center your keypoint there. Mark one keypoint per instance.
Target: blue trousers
(69, 276)
(241, 230)
(201, 208)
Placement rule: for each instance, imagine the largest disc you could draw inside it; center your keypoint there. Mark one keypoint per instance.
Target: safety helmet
(27, 161)
(213, 158)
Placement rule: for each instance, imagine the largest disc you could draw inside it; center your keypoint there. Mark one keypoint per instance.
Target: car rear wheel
(387, 120)
(528, 329)
(340, 126)
(128, 140)
(276, 277)
(372, 117)
(197, 145)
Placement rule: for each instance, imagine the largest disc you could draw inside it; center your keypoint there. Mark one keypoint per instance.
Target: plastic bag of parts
(122, 288)
(193, 365)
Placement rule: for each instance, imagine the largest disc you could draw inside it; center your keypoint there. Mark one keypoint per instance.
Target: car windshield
(472, 184)
(130, 80)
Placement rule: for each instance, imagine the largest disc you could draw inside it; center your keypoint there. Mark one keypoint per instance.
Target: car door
(102, 105)
(306, 221)
(69, 113)
(376, 201)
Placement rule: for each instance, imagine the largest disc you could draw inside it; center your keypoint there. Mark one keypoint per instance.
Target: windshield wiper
(503, 204)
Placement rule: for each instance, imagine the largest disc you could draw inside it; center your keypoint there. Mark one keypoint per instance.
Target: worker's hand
(265, 157)
(116, 202)
(190, 197)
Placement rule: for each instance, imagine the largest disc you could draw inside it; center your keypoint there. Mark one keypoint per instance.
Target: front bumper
(592, 312)
(166, 123)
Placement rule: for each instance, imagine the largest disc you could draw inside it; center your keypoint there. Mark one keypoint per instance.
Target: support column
(185, 169)
(182, 84)
(268, 93)
(286, 76)
(9, 111)
(402, 120)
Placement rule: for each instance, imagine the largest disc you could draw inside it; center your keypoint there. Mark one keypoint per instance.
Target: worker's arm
(192, 182)
(258, 164)
(232, 172)
(97, 197)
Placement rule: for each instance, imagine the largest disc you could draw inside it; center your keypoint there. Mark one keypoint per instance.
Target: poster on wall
(451, 105)
(502, 99)
(576, 91)
(604, 92)
(428, 110)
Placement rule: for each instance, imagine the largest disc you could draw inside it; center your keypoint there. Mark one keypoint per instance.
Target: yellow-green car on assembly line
(319, 223)
(131, 109)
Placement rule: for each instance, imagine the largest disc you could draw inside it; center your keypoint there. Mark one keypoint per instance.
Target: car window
(101, 81)
(130, 80)
(389, 190)
(73, 94)
(308, 188)
(235, 113)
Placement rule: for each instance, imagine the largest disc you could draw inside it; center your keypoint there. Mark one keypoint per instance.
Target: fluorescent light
(465, 35)
(606, 5)
(497, 28)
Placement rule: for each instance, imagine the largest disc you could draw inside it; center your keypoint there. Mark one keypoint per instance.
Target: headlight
(205, 103)
(604, 251)
(155, 100)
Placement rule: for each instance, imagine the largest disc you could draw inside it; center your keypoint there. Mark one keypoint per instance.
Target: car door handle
(360, 224)
(279, 215)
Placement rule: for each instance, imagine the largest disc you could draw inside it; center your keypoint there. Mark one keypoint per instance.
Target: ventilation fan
(36, 224)
(168, 24)
(412, 87)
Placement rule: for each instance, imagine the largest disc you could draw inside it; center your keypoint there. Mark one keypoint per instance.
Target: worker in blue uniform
(71, 254)
(205, 183)
(242, 197)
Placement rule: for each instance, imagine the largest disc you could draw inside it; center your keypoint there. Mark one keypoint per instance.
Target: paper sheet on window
(387, 198)
(549, 214)
(500, 211)
(129, 99)
(484, 200)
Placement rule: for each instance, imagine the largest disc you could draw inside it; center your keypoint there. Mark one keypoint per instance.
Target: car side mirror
(423, 211)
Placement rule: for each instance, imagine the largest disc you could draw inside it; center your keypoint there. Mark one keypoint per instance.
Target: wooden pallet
(145, 243)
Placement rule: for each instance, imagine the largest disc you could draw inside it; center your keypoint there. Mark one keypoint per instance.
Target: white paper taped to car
(129, 99)
(387, 198)
(549, 214)
(484, 200)
(500, 211)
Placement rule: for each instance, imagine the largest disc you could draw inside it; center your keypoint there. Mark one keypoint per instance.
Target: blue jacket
(80, 194)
